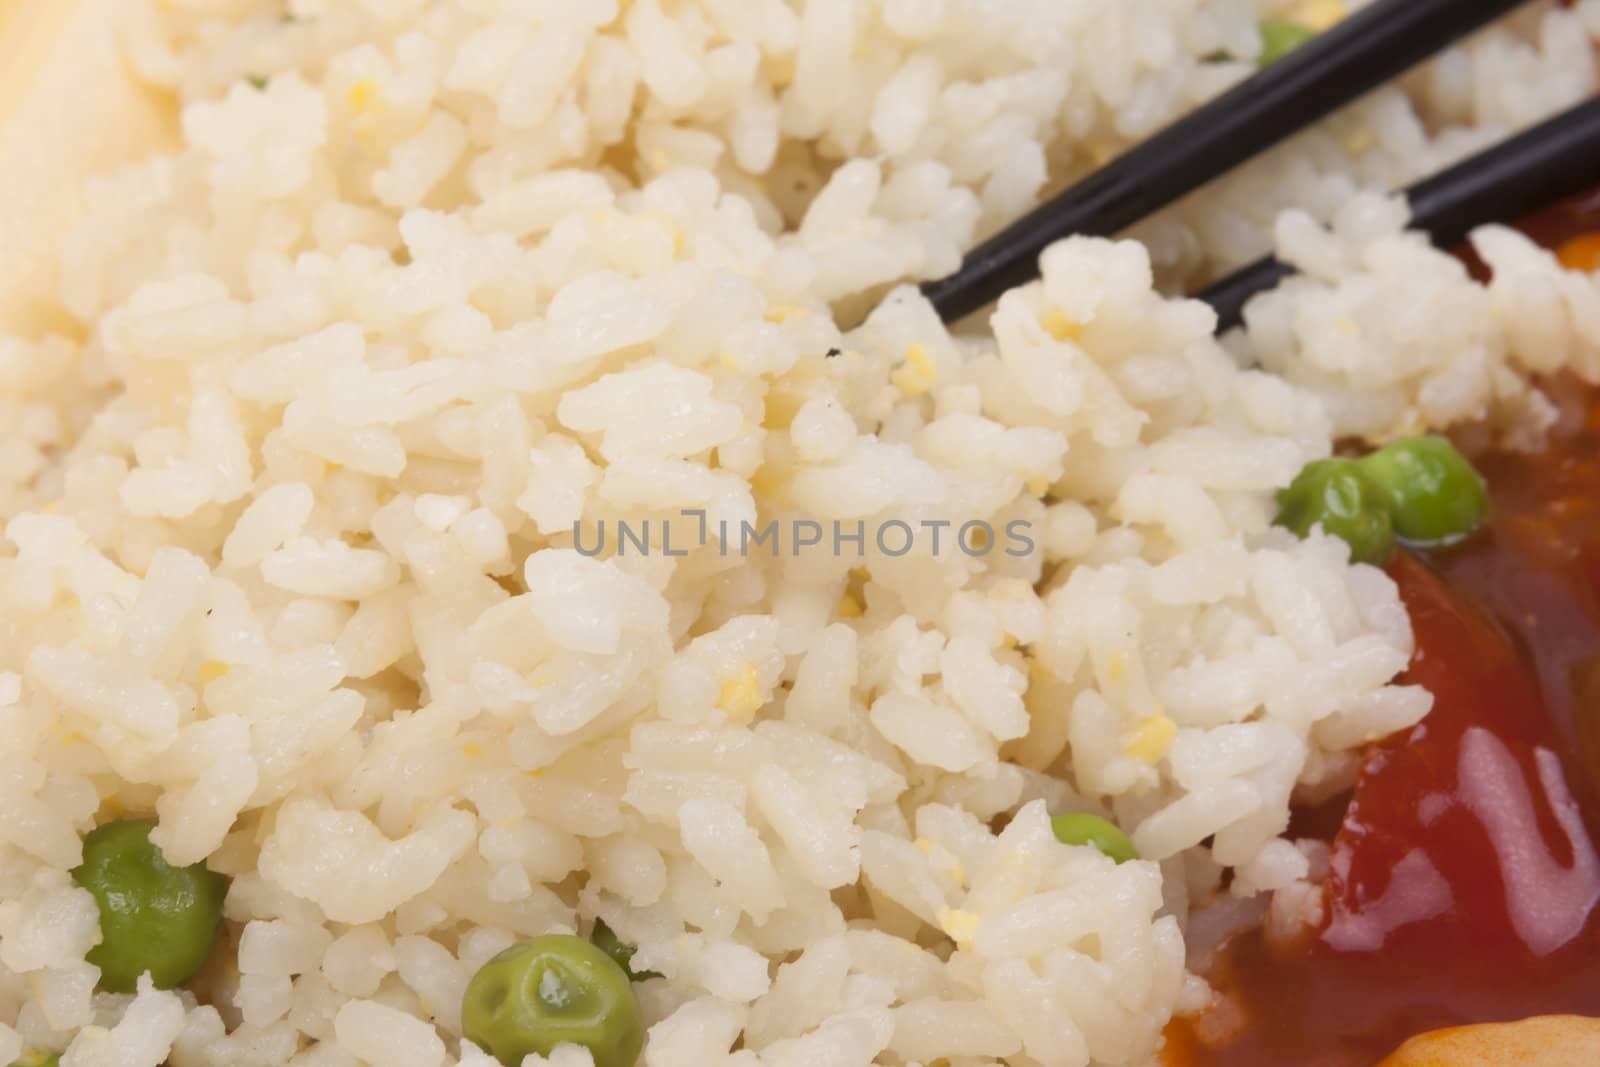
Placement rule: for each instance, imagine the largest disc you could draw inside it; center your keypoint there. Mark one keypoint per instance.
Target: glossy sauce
(1464, 850)
(1464, 874)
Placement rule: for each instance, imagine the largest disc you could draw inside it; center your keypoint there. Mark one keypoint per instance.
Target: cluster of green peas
(162, 920)
(560, 988)
(1419, 491)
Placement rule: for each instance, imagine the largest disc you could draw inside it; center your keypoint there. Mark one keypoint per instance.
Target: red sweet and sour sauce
(1463, 878)
(1464, 873)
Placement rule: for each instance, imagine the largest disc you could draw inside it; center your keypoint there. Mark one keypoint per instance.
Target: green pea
(1278, 39)
(1434, 494)
(607, 941)
(37, 1058)
(552, 990)
(1080, 828)
(1337, 495)
(153, 916)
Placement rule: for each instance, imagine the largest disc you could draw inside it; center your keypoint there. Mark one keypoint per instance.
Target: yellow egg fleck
(471, 749)
(955, 871)
(780, 71)
(1117, 667)
(766, 482)
(1360, 143)
(1320, 15)
(1151, 739)
(917, 374)
(782, 313)
(1057, 324)
(212, 669)
(52, 507)
(779, 408)
(961, 926)
(852, 604)
(365, 97)
(726, 359)
(740, 696)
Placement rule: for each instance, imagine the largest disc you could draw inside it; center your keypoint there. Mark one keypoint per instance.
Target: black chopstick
(1370, 47)
(1558, 158)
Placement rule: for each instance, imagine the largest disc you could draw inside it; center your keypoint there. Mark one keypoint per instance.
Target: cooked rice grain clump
(290, 557)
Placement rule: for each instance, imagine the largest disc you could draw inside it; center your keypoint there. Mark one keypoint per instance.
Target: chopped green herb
(605, 939)
(1081, 828)
(1278, 39)
(37, 1058)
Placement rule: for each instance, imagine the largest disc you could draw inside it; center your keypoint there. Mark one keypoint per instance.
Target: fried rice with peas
(301, 514)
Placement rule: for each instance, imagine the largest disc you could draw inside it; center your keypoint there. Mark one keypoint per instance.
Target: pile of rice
(289, 555)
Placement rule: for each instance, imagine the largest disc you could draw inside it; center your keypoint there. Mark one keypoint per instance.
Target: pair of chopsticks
(1555, 159)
